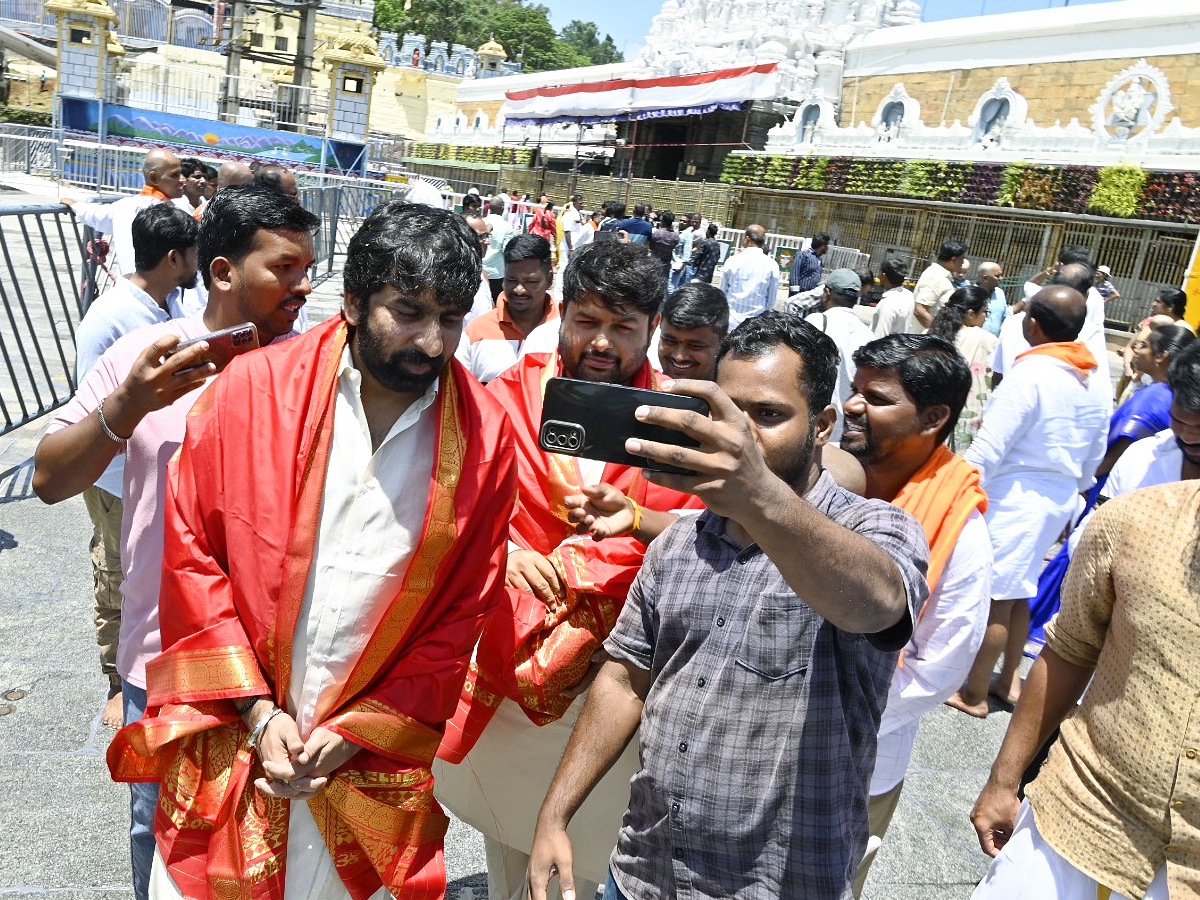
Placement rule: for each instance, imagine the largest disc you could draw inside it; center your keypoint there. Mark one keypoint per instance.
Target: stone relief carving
(1135, 104)
(895, 111)
(999, 111)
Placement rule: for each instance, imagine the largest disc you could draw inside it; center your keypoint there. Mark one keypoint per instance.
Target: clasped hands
(299, 769)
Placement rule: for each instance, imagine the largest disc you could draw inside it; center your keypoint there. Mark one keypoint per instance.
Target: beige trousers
(105, 510)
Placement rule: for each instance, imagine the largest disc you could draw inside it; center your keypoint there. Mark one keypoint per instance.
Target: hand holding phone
(727, 468)
(595, 420)
(223, 345)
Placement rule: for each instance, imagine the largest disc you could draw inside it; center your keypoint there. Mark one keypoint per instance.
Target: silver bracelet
(257, 733)
(108, 432)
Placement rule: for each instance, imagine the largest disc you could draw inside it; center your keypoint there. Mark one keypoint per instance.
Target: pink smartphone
(224, 345)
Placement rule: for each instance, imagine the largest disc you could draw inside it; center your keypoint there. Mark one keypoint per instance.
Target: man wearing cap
(571, 228)
(838, 319)
(1104, 286)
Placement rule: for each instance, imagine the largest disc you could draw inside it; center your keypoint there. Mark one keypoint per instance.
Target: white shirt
(1043, 429)
(372, 510)
(933, 287)
(937, 659)
(1012, 344)
(1145, 463)
(849, 332)
(121, 309)
(750, 280)
(894, 313)
(543, 339)
(116, 220)
(482, 304)
(502, 233)
(1095, 302)
(572, 224)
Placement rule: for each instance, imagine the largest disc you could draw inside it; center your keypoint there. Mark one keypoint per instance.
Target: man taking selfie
(757, 673)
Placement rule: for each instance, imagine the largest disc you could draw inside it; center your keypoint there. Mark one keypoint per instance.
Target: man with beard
(334, 541)
(564, 590)
(908, 391)
(757, 673)
(254, 249)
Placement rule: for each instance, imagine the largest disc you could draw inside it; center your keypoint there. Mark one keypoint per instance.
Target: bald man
(750, 279)
(164, 181)
(233, 174)
(279, 180)
(1042, 437)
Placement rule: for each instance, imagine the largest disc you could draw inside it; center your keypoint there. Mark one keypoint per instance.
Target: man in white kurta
(908, 392)
(164, 181)
(1042, 437)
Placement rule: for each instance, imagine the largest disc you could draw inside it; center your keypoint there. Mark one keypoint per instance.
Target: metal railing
(1144, 256)
(211, 94)
(835, 257)
(25, 148)
(46, 282)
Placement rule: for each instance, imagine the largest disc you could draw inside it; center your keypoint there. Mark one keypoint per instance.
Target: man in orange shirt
(494, 339)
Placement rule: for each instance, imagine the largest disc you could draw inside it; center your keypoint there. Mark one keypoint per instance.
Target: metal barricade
(45, 284)
(835, 257)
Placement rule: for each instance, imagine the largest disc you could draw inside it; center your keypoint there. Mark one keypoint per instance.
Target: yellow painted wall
(408, 101)
(1055, 91)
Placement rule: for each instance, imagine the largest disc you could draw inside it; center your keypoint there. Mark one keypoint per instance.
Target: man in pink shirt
(255, 248)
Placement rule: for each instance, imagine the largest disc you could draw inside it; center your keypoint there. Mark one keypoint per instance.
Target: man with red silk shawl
(334, 541)
(564, 590)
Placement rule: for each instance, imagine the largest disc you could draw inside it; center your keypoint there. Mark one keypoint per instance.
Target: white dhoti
(1024, 519)
(310, 873)
(1030, 869)
(498, 790)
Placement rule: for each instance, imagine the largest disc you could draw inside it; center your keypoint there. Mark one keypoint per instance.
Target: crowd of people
(340, 586)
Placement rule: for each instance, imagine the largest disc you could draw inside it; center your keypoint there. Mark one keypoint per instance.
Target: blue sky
(628, 21)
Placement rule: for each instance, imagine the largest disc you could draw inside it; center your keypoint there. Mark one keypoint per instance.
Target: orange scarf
(941, 495)
(1073, 353)
(149, 190)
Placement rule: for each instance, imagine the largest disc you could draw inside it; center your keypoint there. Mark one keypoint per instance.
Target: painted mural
(125, 123)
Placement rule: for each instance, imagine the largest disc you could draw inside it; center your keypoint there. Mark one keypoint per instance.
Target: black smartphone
(223, 345)
(593, 420)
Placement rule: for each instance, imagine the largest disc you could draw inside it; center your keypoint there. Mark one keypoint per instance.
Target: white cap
(1105, 269)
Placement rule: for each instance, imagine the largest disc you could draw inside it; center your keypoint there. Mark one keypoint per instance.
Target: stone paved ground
(62, 819)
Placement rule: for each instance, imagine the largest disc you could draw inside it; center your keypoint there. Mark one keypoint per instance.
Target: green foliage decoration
(1118, 191)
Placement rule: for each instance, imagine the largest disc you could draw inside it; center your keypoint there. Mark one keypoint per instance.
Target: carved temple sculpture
(1129, 122)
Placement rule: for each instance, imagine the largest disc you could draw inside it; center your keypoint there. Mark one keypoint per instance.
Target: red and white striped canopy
(628, 99)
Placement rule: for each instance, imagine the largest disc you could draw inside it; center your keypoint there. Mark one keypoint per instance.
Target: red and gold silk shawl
(242, 515)
(532, 655)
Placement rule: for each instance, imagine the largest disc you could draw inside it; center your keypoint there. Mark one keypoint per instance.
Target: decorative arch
(812, 117)
(896, 108)
(999, 109)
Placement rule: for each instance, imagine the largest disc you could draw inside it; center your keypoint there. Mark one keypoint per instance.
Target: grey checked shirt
(758, 733)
